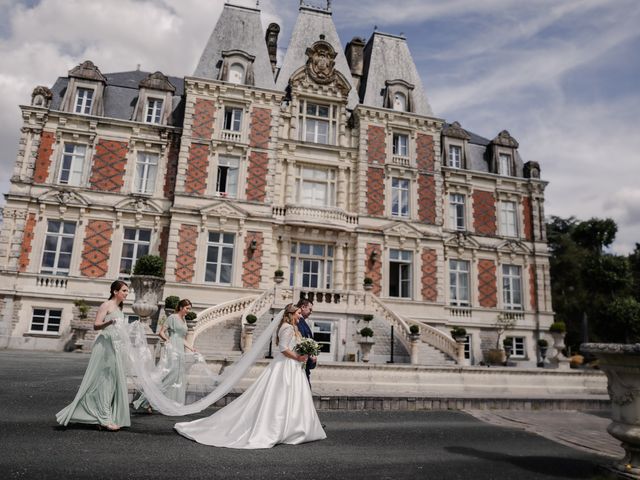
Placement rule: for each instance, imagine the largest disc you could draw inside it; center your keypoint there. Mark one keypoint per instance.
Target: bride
(277, 408)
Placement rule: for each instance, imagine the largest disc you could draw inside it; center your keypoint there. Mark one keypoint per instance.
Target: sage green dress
(103, 397)
(174, 382)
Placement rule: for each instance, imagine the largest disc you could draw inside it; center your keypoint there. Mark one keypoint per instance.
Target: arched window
(400, 102)
(236, 73)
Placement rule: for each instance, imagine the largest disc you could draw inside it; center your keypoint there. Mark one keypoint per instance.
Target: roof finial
(329, 5)
(375, 28)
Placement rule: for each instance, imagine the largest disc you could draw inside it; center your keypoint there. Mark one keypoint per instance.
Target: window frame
(153, 114)
(400, 144)
(456, 287)
(222, 246)
(82, 101)
(149, 173)
(137, 244)
(505, 164)
(405, 268)
(60, 235)
(74, 159)
(229, 120)
(46, 321)
(457, 212)
(306, 177)
(306, 118)
(518, 347)
(403, 196)
(455, 160)
(509, 218)
(225, 165)
(326, 262)
(509, 281)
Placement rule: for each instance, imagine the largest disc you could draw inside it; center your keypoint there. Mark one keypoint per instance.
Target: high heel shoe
(109, 427)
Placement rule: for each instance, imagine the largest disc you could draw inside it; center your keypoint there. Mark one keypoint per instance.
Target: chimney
(355, 58)
(271, 37)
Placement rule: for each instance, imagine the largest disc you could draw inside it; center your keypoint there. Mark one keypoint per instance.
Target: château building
(329, 167)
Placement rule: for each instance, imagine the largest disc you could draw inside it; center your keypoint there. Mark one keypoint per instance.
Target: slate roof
(121, 94)
(310, 24)
(387, 57)
(238, 28)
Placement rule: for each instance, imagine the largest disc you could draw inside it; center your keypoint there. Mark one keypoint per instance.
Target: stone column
(338, 280)
(248, 337)
(290, 184)
(341, 187)
(415, 343)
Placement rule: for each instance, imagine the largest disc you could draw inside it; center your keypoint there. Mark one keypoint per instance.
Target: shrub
(507, 342)
(366, 332)
(414, 329)
(190, 316)
(368, 281)
(151, 265)
(83, 308)
(367, 317)
(251, 319)
(171, 302)
(558, 327)
(279, 273)
(458, 332)
(542, 343)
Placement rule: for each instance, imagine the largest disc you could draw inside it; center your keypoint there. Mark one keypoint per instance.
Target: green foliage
(171, 302)
(507, 342)
(595, 234)
(366, 332)
(83, 307)
(542, 343)
(414, 329)
(151, 265)
(367, 317)
(368, 281)
(558, 327)
(190, 316)
(623, 319)
(251, 319)
(458, 332)
(279, 273)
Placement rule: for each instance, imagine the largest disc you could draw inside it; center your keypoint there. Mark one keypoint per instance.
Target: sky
(562, 76)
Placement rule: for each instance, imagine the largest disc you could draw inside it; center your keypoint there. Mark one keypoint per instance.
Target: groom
(306, 307)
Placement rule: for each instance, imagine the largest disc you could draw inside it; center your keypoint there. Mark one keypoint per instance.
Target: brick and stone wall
(172, 170)
(43, 157)
(109, 163)
(164, 243)
(375, 191)
(487, 287)
(528, 218)
(197, 166)
(97, 249)
(257, 176)
(27, 239)
(186, 258)
(252, 264)
(260, 131)
(429, 275)
(427, 198)
(373, 269)
(376, 145)
(484, 212)
(425, 154)
(202, 126)
(533, 291)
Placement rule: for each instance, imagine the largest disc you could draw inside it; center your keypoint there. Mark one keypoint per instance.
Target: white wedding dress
(277, 408)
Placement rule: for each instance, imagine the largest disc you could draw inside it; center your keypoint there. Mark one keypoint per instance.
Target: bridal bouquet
(307, 346)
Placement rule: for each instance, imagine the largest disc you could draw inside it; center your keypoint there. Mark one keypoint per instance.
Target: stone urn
(556, 357)
(414, 338)
(148, 292)
(247, 333)
(366, 343)
(621, 364)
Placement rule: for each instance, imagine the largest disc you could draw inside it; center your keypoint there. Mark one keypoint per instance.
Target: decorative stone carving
(158, 81)
(148, 290)
(532, 170)
(455, 130)
(321, 62)
(505, 139)
(41, 97)
(88, 71)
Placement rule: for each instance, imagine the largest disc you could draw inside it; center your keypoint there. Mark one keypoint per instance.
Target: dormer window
(154, 110)
(236, 74)
(455, 156)
(504, 164)
(400, 102)
(84, 100)
(237, 67)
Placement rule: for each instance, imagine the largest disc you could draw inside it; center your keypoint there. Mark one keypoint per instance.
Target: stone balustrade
(220, 313)
(318, 215)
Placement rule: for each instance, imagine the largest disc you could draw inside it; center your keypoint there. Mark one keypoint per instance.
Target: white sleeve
(284, 337)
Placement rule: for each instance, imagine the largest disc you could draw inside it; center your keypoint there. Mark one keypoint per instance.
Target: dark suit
(306, 332)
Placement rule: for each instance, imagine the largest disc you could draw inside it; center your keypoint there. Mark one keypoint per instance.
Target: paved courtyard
(363, 444)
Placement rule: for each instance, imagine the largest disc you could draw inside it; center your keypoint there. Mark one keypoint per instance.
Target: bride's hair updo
(287, 317)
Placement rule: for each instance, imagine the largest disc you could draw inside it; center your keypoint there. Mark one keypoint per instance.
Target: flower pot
(557, 358)
(366, 344)
(148, 291)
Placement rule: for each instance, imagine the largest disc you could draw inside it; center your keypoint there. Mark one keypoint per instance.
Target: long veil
(141, 364)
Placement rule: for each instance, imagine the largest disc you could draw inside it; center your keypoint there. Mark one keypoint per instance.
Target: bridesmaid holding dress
(102, 398)
(174, 381)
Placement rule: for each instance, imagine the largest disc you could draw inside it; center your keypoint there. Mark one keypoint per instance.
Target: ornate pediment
(224, 209)
(320, 68)
(513, 247)
(461, 240)
(505, 139)
(158, 81)
(138, 205)
(63, 197)
(41, 97)
(402, 229)
(87, 71)
(455, 130)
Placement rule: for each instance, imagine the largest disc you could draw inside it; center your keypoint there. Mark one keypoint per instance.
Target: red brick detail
(252, 265)
(197, 166)
(202, 126)
(27, 238)
(172, 170)
(260, 128)
(487, 287)
(186, 258)
(375, 191)
(533, 290)
(425, 153)
(484, 212)
(43, 158)
(376, 145)
(109, 162)
(257, 176)
(373, 268)
(429, 275)
(164, 243)
(528, 218)
(427, 198)
(97, 248)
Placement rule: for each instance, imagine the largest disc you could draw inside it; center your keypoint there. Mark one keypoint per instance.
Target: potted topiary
(190, 318)
(558, 327)
(278, 276)
(414, 332)
(251, 319)
(557, 358)
(367, 317)
(507, 344)
(147, 282)
(367, 283)
(543, 345)
(459, 334)
(170, 304)
(366, 342)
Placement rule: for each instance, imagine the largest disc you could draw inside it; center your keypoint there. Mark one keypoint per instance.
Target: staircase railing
(401, 326)
(220, 313)
(438, 339)
(260, 305)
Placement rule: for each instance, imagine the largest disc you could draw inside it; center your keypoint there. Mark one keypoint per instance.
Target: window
(146, 168)
(400, 145)
(154, 110)
(504, 165)
(317, 123)
(316, 186)
(456, 211)
(459, 283)
(227, 178)
(311, 265)
(467, 347)
(232, 119)
(135, 244)
(455, 156)
(508, 219)
(518, 347)
(400, 273)
(219, 264)
(58, 246)
(72, 167)
(322, 335)
(400, 102)
(399, 197)
(511, 287)
(84, 100)
(44, 320)
(236, 73)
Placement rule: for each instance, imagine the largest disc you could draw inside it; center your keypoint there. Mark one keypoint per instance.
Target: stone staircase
(221, 340)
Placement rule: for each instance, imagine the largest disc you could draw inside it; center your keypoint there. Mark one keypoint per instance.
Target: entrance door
(323, 334)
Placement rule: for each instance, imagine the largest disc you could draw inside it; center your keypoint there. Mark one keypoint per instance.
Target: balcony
(231, 136)
(334, 217)
(401, 160)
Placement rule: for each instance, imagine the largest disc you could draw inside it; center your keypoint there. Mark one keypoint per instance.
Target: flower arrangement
(308, 346)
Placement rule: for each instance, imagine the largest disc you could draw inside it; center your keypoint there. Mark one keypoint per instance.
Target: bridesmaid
(103, 398)
(173, 332)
